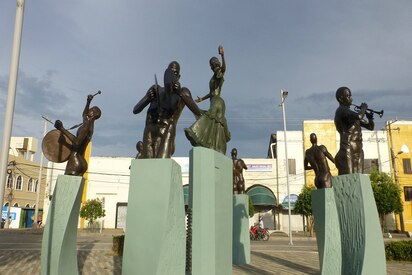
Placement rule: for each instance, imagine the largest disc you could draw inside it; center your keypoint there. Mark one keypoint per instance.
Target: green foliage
(387, 194)
(251, 208)
(399, 251)
(118, 243)
(303, 205)
(92, 210)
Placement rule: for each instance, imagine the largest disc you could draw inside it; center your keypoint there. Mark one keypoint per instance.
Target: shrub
(118, 243)
(399, 251)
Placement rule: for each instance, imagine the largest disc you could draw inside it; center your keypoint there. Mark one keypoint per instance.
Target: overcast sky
(310, 48)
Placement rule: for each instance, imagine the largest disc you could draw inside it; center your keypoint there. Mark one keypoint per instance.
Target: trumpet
(357, 109)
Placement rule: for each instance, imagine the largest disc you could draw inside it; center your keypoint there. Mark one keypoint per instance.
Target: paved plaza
(20, 254)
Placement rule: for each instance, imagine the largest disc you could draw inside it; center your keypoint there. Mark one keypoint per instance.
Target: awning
(262, 197)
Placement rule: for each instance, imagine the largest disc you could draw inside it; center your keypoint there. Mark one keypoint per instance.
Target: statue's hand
(220, 49)
(151, 93)
(369, 115)
(89, 98)
(198, 99)
(364, 106)
(58, 125)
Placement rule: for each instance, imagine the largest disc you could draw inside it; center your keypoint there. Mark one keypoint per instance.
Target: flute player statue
(166, 105)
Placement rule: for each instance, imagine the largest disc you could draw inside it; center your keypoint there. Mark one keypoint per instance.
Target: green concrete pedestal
(327, 231)
(241, 236)
(361, 237)
(210, 191)
(155, 224)
(58, 253)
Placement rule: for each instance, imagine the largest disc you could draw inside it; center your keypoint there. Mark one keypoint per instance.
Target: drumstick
(46, 119)
(98, 93)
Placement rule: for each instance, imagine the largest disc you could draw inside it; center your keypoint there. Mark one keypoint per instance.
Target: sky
(310, 48)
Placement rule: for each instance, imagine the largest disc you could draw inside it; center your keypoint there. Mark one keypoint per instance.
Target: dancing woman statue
(210, 129)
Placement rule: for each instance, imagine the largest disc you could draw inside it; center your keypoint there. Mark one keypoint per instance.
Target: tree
(387, 195)
(92, 210)
(251, 208)
(303, 206)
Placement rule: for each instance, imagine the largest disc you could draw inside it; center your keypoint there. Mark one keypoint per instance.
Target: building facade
(21, 185)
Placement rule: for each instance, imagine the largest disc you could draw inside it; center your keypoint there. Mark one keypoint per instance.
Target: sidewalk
(275, 256)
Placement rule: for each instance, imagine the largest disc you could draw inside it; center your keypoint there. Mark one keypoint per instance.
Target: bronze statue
(166, 105)
(139, 148)
(238, 180)
(349, 158)
(315, 158)
(210, 130)
(61, 145)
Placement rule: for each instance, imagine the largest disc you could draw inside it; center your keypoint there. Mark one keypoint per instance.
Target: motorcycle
(257, 233)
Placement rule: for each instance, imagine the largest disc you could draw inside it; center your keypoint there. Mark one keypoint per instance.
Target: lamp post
(404, 149)
(8, 116)
(284, 95)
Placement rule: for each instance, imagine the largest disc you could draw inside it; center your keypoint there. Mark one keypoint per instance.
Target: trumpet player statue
(349, 158)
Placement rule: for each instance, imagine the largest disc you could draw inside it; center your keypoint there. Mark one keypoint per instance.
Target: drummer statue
(61, 145)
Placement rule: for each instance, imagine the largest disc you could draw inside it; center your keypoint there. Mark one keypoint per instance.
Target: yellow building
(401, 132)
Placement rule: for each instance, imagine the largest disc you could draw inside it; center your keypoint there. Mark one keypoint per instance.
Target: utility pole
(395, 171)
(8, 116)
(38, 187)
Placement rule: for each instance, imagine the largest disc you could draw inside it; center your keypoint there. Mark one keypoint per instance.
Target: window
(292, 166)
(407, 169)
(35, 186)
(19, 184)
(16, 205)
(369, 165)
(407, 190)
(9, 181)
(27, 205)
(30, 185)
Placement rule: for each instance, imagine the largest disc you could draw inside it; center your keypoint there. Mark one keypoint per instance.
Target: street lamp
(11, 95)
(283, 96)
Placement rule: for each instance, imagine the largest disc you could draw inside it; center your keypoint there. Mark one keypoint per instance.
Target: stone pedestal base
(211, 196)
(357, 245)
(327, 231)
(241, 236)
(59, 253)
(363, 250)
(155, 224)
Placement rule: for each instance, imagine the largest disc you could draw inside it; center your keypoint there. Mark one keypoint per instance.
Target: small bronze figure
(139, 148)
(211, 130)
(166, 105)
(238, 180)
(71, 147)
(315, 158)
(349, 158)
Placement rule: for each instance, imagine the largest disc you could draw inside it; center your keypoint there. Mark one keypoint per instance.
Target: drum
(56, 147)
